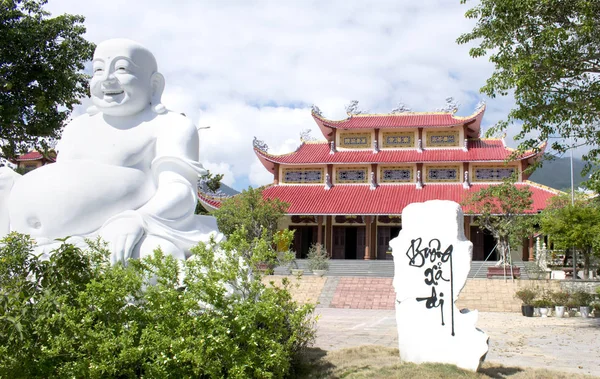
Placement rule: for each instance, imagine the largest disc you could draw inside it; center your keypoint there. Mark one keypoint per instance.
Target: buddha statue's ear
(158, 86)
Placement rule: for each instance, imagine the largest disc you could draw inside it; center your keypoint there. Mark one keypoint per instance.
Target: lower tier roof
(389, 199)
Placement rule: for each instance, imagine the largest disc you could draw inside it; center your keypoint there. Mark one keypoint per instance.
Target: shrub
(581, 298)
(560, 298)
(317, 257)
(526, 295)
(77, 316)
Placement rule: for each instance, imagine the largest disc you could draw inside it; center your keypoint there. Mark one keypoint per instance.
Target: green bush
(75, 315)
(317, 257)
(526, 295)
(582, 298)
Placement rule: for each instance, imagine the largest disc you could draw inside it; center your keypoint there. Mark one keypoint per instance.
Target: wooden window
(398, 140)
(303, 175)
(395, 174)
(355, 140)
(441, 138)
(443, 174)
(492, 173)
(351, 174)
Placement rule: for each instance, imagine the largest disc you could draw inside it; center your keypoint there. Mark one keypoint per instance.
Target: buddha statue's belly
(75, 197)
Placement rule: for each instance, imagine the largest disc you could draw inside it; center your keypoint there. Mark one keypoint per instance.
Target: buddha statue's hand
(122, 233)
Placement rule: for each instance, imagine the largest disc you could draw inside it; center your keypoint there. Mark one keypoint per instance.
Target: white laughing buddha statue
(126, 171)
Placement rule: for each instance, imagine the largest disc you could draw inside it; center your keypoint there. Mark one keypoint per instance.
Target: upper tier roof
(388, 199)
(402, 120)
(310, 153)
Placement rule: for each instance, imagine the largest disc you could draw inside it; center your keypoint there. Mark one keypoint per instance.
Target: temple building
(34, 159)
(348, 191)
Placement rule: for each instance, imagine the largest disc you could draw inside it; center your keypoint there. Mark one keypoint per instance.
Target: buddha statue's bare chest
(103, 143)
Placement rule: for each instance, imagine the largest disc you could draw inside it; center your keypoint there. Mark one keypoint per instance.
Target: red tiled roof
(318, 153)
(384, 200)
(209, 202)
(402, 120)
(387, 199)
(33, 156)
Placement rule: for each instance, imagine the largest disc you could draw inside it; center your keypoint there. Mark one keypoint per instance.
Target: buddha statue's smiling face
(122, 81)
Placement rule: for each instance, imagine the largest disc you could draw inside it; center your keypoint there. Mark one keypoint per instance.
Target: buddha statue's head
(125, 79)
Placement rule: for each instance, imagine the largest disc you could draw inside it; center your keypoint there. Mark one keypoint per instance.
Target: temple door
(383, 241)
(339, 242)
(360, 242)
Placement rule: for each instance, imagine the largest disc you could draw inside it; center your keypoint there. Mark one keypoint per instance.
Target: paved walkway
(567, 344)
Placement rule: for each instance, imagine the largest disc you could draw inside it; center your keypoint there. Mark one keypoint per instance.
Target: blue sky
(252, 68)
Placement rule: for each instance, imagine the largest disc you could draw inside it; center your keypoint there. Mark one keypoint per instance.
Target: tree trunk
(586, 263)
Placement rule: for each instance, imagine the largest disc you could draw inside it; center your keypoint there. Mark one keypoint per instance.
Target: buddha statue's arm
(175, 169)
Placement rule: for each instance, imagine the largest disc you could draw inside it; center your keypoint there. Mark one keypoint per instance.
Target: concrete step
(384, 269)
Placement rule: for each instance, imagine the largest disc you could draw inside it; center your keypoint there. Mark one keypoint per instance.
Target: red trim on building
(387, 199)
(479, 150)
(34, 156)
(401, 120)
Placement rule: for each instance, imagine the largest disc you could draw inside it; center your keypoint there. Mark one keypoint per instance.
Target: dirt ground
(566, 344)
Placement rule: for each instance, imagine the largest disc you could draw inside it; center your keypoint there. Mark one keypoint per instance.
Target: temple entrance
(384, 235)
(348, 242)
(304, 236)
(483, 244)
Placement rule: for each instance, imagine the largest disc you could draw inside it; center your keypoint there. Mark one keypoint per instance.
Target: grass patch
(377, 362)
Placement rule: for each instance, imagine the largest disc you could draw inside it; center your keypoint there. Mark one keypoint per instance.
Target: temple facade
(348, 191)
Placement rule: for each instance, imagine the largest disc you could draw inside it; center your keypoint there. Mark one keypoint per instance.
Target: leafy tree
(501, 211)
(548, 53)
(250, 211)
(41, 78)
(573, 225)
(75, 315)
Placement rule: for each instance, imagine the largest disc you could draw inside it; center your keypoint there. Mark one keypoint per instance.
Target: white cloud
(252, 68)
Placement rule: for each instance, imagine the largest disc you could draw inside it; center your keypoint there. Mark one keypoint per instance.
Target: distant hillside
(557, 173)
(228, 190)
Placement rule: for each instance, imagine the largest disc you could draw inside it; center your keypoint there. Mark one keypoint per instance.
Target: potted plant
(526, 295)
(318, 260)
(571, 307)
(544, 306)
(560, 299)
(596, 309)
(583, 301)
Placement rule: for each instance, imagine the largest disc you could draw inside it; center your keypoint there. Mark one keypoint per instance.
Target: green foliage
(249, 210)
(77, 316)
(546, 52)
(501, 211)
(575, 225)
(212, 181)
(526, 295)
(582, 298)
(41, 76)
(317, 257)
(560, 298)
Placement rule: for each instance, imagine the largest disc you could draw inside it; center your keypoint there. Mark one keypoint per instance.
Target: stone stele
(432, 259)
(126, 171)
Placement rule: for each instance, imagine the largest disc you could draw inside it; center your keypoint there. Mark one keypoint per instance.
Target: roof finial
(466, 184)
(419, 183)
(375, 147)
(373, 182)
(332, 147)
(328, 184)
(260, 145)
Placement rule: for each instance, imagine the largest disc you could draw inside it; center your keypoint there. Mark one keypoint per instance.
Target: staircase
(385, 269)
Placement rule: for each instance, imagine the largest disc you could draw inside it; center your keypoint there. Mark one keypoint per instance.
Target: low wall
(487, 295)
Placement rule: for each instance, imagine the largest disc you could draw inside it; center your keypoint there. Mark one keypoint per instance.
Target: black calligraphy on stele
(434, 260)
